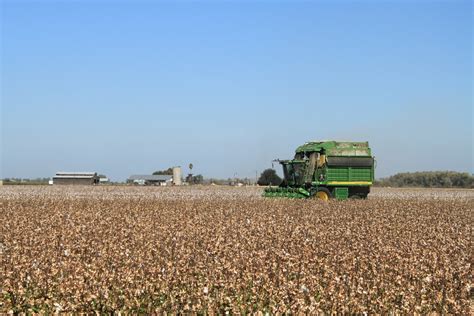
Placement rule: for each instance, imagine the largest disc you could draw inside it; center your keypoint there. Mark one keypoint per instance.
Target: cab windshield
(293, 172)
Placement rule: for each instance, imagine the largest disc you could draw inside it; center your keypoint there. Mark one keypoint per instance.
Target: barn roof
(150, 177)
(77, 175)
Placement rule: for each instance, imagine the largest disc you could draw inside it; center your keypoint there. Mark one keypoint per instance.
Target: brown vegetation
(227, 249)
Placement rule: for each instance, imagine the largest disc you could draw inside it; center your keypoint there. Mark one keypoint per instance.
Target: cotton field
(224, 250)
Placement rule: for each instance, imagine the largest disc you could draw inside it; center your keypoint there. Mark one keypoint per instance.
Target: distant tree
(269, 177)
(428, 179)
(35, 181)
(198, 179)
(191, 166)
(168, 172)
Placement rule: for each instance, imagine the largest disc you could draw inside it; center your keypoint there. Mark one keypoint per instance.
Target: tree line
(25, 181)
(429, 179)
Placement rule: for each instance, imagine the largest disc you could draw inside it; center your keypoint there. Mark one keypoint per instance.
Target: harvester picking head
(286, 192)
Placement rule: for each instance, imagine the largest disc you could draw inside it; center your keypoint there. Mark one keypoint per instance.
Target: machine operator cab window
(294, 172)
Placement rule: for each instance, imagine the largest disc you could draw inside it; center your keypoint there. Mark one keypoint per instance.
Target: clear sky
(131, 87)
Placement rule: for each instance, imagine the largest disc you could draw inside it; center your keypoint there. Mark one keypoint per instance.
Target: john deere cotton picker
(325, 170)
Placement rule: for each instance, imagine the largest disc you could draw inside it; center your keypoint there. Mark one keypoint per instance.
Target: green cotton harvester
(325, 170)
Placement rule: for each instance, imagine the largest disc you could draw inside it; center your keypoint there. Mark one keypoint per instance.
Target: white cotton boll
(304, 289)
(57, 307)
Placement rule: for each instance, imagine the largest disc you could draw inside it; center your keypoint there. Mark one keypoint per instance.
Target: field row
(229, 250)
(205, 192)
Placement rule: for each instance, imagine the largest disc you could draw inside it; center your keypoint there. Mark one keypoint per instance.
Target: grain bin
(177, 175)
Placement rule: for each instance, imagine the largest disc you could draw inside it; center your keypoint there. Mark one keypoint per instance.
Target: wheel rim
(322, 195)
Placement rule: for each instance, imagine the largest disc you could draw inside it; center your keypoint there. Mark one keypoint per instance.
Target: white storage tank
(177, 175)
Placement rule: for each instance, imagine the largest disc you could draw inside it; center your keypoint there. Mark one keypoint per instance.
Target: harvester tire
(323, 194)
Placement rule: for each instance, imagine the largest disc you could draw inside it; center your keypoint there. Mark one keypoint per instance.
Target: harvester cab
(325, 170)
(293, 172)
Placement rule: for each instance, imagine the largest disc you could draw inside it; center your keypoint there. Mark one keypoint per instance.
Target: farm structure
(76, 178)
(104, 180)
(150, 179)
(158, 179)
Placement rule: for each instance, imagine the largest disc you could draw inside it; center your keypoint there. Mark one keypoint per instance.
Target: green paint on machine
(294, 193)
(335, 169)
(341, 193)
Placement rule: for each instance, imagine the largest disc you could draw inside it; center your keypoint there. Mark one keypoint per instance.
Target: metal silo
(177, 175)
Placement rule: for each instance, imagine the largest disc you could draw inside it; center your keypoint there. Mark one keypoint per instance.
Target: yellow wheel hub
(322, 195)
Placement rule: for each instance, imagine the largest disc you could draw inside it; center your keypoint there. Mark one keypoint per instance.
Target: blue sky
(131, 87)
